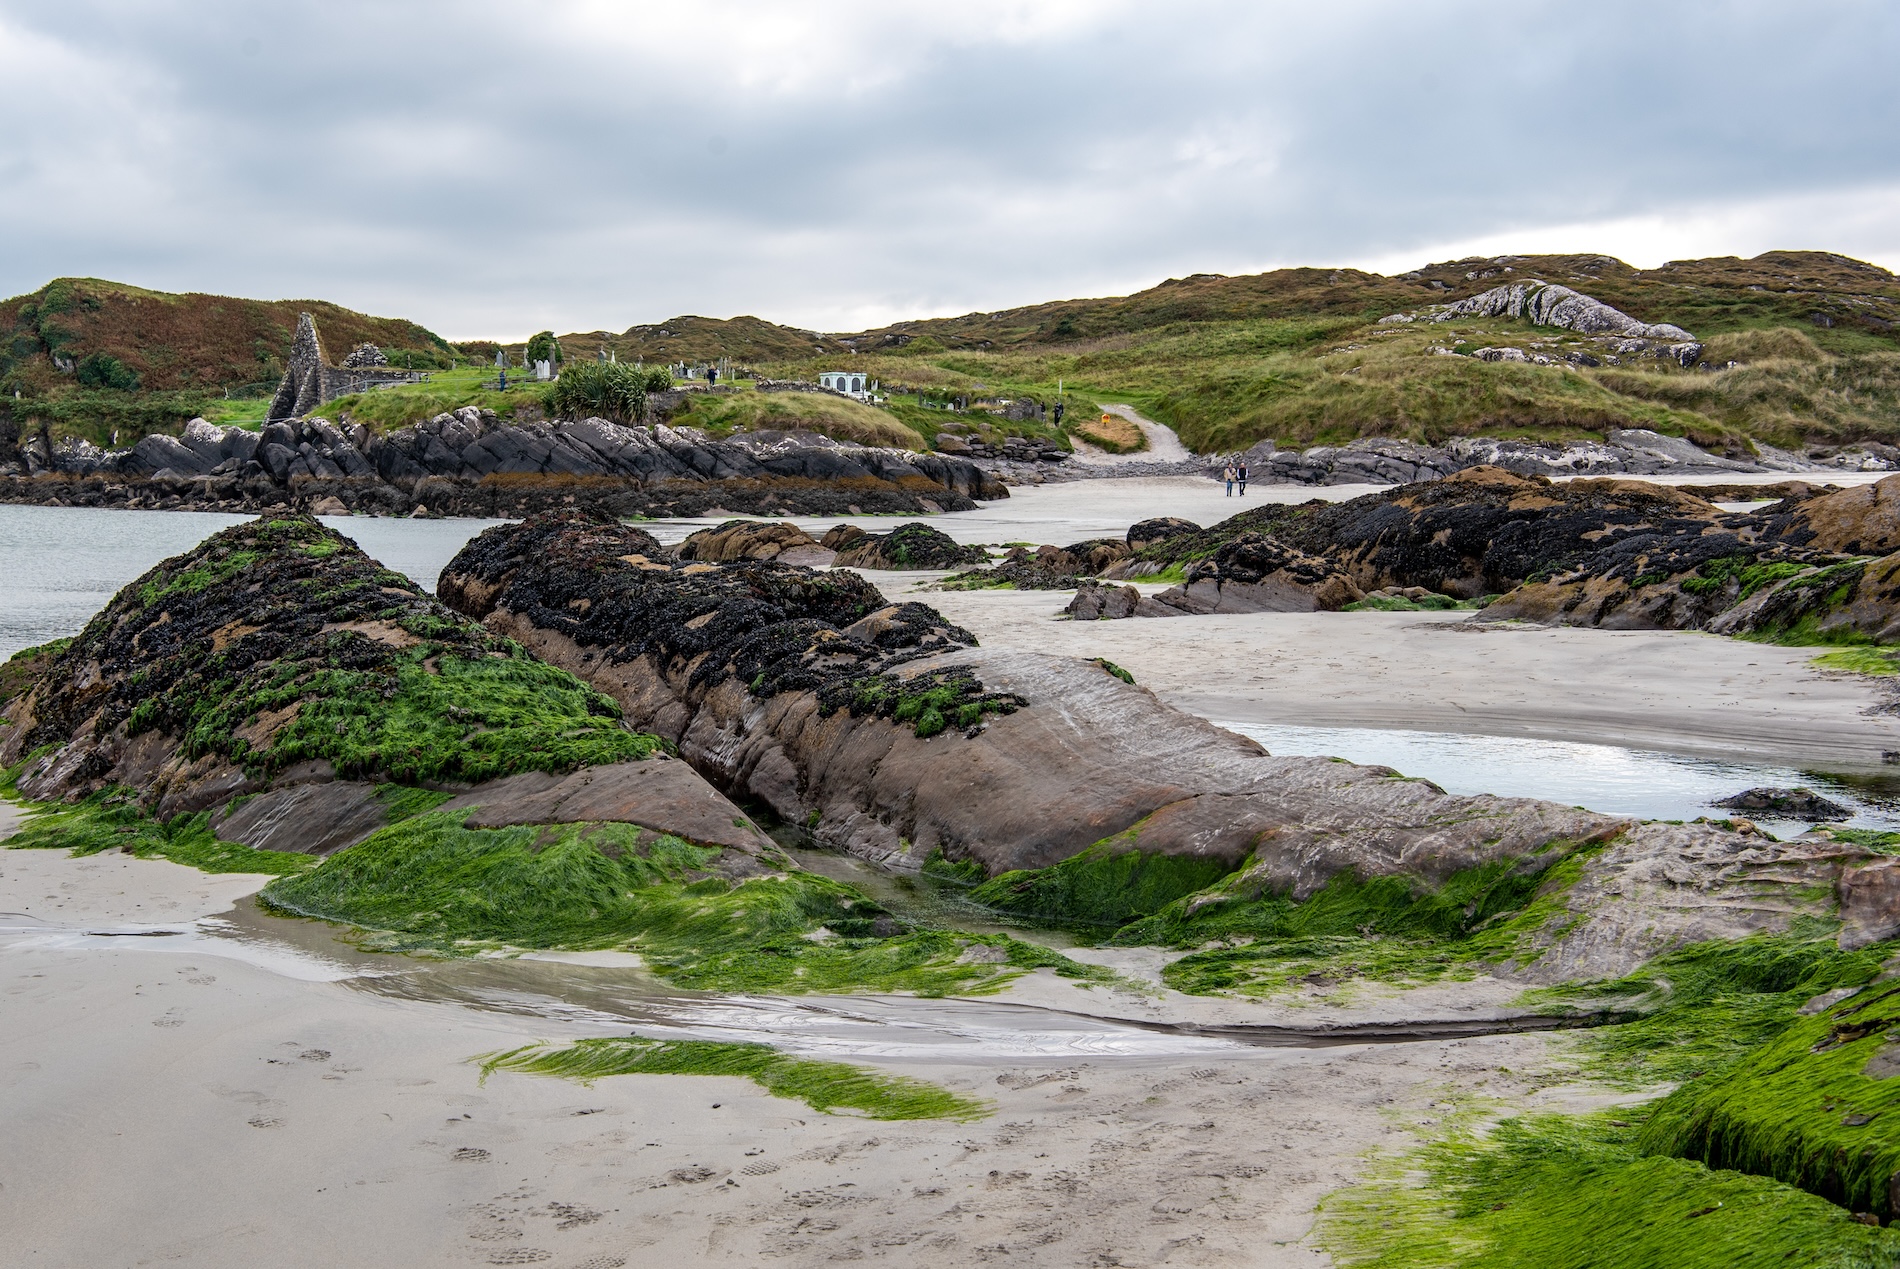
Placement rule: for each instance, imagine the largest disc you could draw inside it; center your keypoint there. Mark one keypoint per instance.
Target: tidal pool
(1643, 783)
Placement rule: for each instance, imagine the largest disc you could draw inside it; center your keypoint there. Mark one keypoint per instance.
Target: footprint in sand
(470, 1154)
(520, 1256)
(264, 1121)
(761, 1168)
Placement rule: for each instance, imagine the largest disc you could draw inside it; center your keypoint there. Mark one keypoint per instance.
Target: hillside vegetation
(1799, 350)
(95, 356)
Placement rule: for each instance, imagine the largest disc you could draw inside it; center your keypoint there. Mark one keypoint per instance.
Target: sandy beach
(1677, 691)
(199, 1098)
(188, 1107)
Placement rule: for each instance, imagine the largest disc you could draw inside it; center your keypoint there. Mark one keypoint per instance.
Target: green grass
(824, 1086)
(1562, 1192)
(112, 820)
(430, 883)
(401, 405)
(837, 417)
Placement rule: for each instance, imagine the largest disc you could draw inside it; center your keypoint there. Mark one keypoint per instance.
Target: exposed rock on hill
(1545, 304)
(470, 463)
(307, 697)
(804, 691)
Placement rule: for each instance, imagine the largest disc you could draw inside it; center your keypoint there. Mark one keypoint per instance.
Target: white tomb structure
(851, 383)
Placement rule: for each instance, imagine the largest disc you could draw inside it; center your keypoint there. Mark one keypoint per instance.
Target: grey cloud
(491, 169)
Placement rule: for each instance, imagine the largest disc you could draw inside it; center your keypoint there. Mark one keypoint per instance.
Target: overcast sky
(492, 169)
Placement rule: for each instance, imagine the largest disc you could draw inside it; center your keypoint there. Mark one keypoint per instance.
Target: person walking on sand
(1240, 474)
(1227, 474)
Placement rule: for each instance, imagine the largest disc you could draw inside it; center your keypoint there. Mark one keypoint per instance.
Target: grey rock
(1545, 304)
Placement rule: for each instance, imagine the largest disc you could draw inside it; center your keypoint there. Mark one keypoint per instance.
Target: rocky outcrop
(471, 463)
(754, 540)
(1863, 520)
(1476, 532)
(1044, 567)
(1545, 304)
(1748, 573)
(1380, 461)
(306, 697)
(799, 690)
(911, 546)
(1801, 804)
(1146, 533)
(1250, 573)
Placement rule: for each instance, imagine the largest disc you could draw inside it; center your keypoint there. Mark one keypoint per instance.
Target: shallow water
(63, 564)
(581, 999)
(1651, 785)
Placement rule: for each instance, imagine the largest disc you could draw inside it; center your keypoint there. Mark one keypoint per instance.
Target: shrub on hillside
(607, 389)
(544, 347)
(102, 370)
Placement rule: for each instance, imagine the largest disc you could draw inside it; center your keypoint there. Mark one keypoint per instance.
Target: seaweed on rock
(774, 627)
(277, 642)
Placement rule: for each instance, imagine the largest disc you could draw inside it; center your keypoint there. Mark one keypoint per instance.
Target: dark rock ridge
(470, 463)
(279, 679)
(1476, 532)
(805, 691)
(1044, 567)
(1822, 565)
(1777, 572)
(1249, 573)
(1378, 461)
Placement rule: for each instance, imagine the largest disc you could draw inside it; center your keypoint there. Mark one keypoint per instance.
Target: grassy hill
(96, 355)
(701, 339)
(1296, 355)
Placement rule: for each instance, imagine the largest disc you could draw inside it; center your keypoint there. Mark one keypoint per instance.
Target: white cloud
(493, 169)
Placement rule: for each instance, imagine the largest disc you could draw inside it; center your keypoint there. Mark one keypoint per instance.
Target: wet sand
(1676, 691)
(184, 1108)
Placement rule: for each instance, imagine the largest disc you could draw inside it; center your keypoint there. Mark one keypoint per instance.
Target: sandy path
(1676, 691)
(178, 1108)
(1164, 446)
